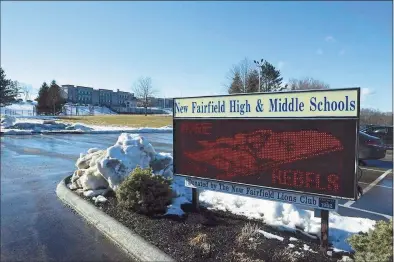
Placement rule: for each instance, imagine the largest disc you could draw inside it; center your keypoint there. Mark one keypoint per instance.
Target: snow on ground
(85, 110)
(130, 149)
(22, 126)
(270, 236)
(27, 109)
(19, 109)
(287, 216)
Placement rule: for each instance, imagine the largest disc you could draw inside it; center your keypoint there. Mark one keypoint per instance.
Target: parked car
(370, 147)
(383, 132)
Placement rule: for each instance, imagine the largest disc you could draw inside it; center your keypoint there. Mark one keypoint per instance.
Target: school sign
(294, 147)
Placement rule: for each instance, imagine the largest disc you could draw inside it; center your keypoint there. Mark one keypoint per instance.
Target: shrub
(144, 192)
(248, 233)
(376, 245)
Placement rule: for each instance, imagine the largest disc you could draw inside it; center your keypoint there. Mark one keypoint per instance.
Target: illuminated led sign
(289, 150)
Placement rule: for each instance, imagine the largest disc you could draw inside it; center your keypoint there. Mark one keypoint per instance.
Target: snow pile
(102, 170)
(288, 217)
(11, 126)
(7, 121)
(79, 127)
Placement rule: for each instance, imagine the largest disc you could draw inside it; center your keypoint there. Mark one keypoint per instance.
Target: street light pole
(259, 71)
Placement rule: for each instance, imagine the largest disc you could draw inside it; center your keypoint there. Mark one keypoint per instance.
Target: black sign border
(357, 118)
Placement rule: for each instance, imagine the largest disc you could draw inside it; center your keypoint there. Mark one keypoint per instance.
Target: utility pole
(259, 71)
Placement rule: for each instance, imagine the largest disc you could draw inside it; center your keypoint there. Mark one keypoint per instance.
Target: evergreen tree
(236, 86)
(252, 82)
(42, 99)
(8, 89)
(271, 79)
(55, 99)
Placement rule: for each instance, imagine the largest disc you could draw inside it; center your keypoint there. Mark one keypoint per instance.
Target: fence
(85, 110)
(18, 112)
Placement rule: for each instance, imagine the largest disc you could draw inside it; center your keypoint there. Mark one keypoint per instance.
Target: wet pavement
(35, 226)
(377, 183)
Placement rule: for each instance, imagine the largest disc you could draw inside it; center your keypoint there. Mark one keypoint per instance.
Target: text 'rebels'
(314, 156)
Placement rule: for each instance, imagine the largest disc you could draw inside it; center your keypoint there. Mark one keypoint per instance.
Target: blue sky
(187, 48)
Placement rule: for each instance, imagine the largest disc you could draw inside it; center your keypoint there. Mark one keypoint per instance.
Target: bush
(248, 233)
(376, 245)
(144, 192)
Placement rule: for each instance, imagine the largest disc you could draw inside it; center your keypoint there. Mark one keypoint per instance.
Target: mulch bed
(210, 235)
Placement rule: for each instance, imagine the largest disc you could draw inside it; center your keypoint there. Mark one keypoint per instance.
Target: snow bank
(22, 126)
(7, 121)
(288, 217)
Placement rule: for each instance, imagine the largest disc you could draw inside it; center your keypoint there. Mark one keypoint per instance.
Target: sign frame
(356, 118)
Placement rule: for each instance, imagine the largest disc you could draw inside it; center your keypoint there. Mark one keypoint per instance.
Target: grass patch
(121, 120)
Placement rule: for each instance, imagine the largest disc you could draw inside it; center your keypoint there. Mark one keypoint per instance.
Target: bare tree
(144, 91)
(243, 69)
(307, 83)
(369, 116)
(25, 91)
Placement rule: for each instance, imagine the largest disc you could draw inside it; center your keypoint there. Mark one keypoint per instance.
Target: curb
(134, 245)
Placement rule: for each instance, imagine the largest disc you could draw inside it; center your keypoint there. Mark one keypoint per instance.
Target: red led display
(313, 156)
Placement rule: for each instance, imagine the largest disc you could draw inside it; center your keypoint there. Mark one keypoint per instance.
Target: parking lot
(377, 183)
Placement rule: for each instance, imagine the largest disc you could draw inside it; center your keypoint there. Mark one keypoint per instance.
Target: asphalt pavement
(377, 199)
(35, 226)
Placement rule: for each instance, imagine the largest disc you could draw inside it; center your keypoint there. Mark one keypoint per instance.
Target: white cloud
(342, 52)
(281, 64)
(330, 39)
(365, 93)
(319, 51)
